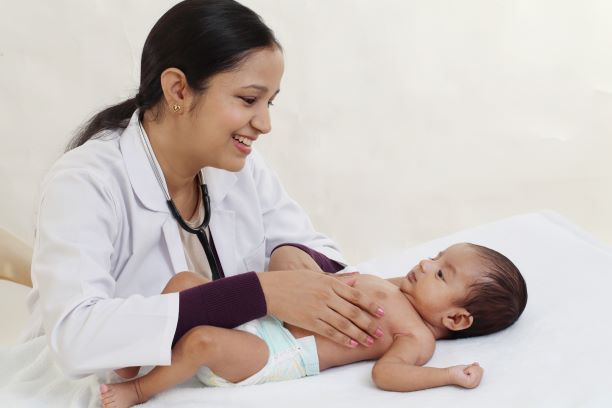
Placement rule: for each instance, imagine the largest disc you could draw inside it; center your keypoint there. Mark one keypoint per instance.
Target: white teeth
(243, 140)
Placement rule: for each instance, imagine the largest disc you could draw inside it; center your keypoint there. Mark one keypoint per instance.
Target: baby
(466, 290)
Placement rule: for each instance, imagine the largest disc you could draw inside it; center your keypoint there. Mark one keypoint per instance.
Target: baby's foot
(120, 395)
(127, 372)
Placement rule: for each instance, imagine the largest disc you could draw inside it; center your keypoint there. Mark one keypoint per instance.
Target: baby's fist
(466, 376)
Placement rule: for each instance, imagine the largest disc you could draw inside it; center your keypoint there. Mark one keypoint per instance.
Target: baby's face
(436, 285)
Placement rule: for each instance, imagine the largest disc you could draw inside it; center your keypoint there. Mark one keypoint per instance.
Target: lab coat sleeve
(284, 220)
(89, 330)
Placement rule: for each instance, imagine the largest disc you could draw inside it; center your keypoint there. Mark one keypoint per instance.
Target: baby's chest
(400, 316)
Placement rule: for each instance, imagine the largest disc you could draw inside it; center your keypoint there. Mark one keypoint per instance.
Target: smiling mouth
(244, 140)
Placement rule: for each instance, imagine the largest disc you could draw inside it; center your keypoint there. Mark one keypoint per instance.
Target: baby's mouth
(411, 276)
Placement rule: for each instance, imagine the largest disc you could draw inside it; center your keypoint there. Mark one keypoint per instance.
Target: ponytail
(114, 117)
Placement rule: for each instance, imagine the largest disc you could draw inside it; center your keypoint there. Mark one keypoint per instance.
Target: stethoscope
(200, 230)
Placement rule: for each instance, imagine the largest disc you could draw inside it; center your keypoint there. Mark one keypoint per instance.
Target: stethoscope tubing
(200, 230)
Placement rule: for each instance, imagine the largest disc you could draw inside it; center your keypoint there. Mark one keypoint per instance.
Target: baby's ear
(457, 319)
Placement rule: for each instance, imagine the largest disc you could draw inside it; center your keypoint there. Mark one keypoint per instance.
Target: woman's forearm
(297, 256)
(227, 302)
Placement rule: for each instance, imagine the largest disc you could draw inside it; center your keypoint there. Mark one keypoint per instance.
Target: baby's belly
(332, 354)
(398, 316)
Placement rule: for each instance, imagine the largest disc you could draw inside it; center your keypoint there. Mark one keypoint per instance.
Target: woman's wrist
(269, 282)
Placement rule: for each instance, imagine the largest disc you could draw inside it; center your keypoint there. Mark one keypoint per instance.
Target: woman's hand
(322, 304)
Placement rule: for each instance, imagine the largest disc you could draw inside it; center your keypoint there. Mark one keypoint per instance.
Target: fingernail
(370, 341)
(353, 343)
(380, 312)
(378, 332)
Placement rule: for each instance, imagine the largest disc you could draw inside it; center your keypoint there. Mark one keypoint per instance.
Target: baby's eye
(440, 274)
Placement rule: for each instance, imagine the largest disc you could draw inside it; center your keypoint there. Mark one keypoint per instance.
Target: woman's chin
(234, 165)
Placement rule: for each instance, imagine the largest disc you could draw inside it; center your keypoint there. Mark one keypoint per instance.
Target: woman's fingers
(354, 322)
(342, 275)
(351, 317)
(348, 327)
(329, 331)
(357, 298)
(321, 304)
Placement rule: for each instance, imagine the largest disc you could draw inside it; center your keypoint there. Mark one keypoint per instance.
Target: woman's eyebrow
(260, 88)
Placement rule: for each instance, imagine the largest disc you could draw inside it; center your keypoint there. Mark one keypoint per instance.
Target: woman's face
(234, 111)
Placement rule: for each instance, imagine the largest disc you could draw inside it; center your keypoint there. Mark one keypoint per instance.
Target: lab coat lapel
(143, 180)
(222, 222)
(175, 245)
(148, 191)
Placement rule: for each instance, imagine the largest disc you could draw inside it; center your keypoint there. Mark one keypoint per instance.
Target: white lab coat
(106, 245)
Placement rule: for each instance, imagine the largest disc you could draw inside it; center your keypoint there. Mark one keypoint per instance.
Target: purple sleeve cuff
(227, 302)
(326, 264)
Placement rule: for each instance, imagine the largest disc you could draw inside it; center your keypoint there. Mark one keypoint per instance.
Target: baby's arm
(400, 368)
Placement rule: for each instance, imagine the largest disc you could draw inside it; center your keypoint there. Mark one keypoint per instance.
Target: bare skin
(205, 130)
(236, 355)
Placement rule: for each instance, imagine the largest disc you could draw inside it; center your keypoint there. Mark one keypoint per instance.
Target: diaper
(289, 358)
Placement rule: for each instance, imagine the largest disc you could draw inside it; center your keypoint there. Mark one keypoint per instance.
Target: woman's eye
(248, 101)
(440, 275)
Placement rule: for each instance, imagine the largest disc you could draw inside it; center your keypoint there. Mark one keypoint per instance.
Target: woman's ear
(457, 319)
(177, 95)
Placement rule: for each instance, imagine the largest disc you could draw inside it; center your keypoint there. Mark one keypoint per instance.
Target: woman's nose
(261, 121)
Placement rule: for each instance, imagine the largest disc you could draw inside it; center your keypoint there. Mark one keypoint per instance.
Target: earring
(176, 107)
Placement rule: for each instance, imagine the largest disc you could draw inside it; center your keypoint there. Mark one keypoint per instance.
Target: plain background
(398, 121)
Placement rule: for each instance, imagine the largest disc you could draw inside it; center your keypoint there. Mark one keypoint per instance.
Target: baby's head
(466, 290)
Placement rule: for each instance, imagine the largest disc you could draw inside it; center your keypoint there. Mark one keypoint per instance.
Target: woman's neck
(177, 171)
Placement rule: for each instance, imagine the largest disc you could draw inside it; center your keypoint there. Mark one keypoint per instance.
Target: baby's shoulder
(413, 330)
(419, 343)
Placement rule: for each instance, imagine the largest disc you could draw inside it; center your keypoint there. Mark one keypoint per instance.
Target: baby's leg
(232, 354)
(180, 281)
(183, 281)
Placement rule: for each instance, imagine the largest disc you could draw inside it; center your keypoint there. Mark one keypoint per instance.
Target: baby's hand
(466, 376)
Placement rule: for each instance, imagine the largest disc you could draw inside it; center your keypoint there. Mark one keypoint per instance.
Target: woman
(119, 211)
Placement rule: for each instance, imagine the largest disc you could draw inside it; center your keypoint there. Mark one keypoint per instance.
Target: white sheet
(556, 355)
(14, 311)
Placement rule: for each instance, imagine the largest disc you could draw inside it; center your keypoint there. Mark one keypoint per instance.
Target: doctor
(128, 206)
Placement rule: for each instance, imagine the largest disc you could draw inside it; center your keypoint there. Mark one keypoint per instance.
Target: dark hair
(201, 38)
(497, 300)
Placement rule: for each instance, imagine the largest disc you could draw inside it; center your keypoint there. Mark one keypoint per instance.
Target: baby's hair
(497, 299)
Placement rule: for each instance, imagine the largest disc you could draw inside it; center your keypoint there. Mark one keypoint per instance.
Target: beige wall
(398, 121)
